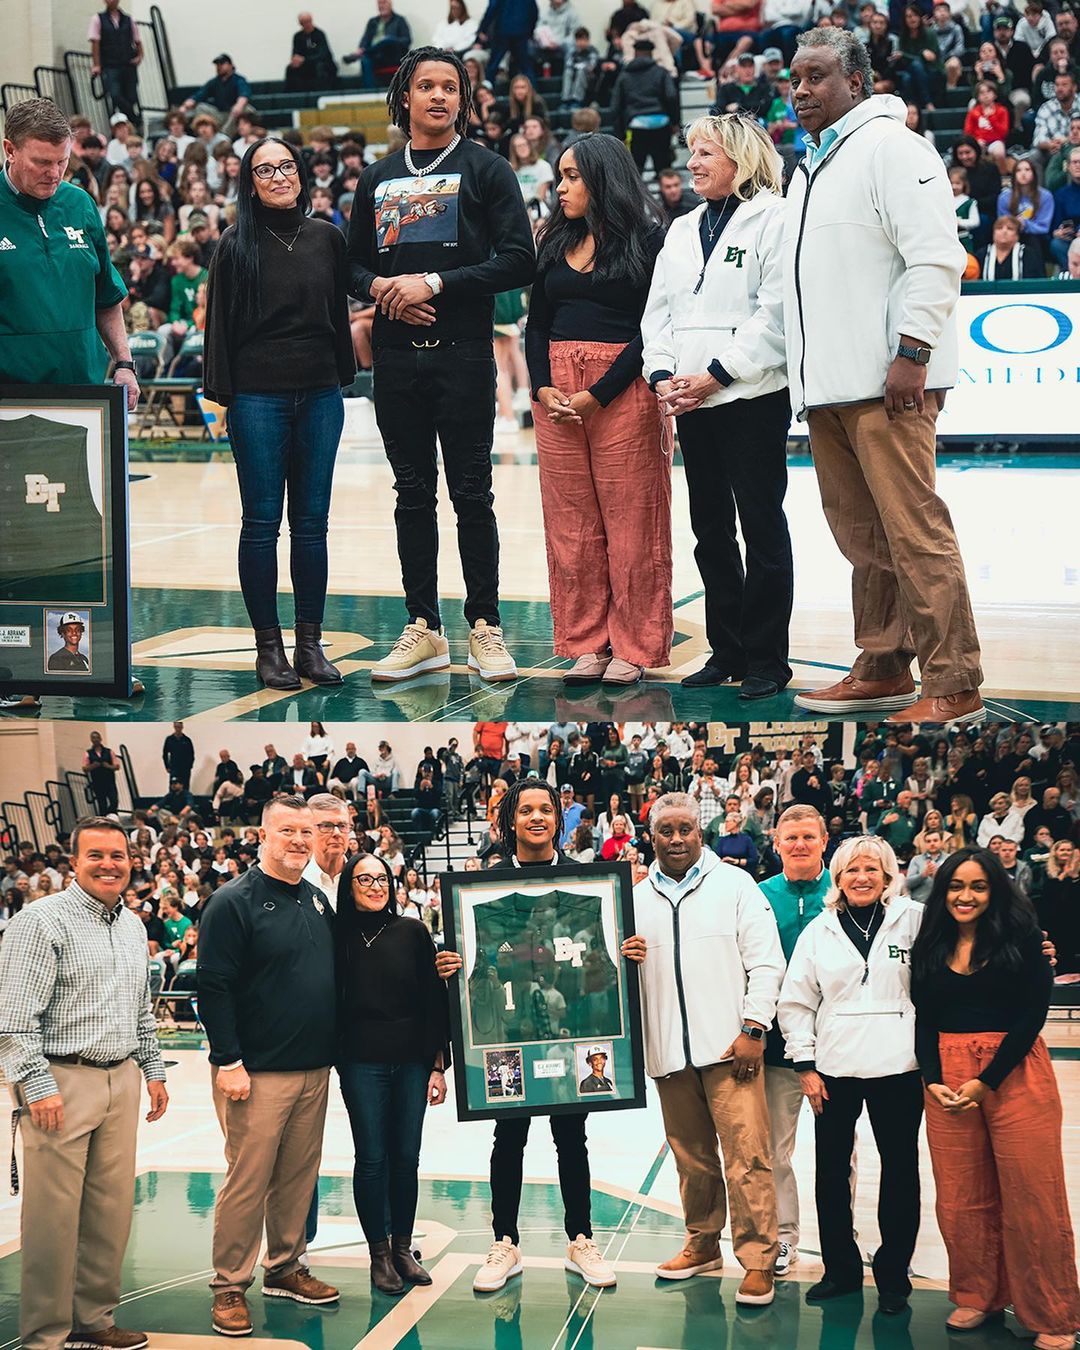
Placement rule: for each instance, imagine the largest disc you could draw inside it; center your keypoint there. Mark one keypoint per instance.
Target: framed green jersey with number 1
(546, 1015)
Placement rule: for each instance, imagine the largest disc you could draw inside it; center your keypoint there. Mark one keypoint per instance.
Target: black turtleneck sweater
(392, 1005)
(301, 339)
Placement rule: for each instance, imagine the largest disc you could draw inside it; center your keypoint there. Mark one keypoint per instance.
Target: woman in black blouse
(278, 349)
(603, 446)
(981, 988)
(393, 1049)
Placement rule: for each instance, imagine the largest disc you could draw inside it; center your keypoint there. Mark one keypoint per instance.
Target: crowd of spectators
(1012, 788)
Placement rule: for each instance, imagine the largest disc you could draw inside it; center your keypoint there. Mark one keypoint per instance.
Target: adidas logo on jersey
(6, 244)
(506, 947)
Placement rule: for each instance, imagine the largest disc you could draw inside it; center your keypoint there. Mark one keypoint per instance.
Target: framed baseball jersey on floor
(65, 605)
(546, 1014)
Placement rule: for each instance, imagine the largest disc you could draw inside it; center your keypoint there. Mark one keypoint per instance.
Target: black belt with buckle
(85, 1063)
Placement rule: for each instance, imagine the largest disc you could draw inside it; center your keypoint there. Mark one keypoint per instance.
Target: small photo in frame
(504, 1076)
(594, 1063)
(67, 642)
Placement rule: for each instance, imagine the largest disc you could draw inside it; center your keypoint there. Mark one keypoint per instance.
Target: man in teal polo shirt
(797, 895)
(60, 296)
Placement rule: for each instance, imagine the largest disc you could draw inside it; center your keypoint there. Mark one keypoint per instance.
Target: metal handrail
(91, 97)
(11, 94)
(54, 82)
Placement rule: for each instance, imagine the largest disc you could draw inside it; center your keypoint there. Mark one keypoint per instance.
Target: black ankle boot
(383, 1275)
(406, 1265)
(308, 655)
(271, 663)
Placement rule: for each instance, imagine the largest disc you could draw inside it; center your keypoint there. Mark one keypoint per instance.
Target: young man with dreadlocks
(529, 822)
(437, 230)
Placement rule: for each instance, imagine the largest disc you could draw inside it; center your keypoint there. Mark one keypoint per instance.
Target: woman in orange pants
(981, 987)
(604, 449)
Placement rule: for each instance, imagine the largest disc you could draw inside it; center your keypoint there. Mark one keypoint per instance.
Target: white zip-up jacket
(713, 961)
(854, 1019)
(728, 312)
(870, 252)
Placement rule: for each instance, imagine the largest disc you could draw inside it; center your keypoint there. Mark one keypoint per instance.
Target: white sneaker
(418, 649)
(522, 400)
(585, 1258)
(488, 655)
(787, 1260)
(503, 1260)
(506, 426)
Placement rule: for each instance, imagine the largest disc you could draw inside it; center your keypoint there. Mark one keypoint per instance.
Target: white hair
(872, 846)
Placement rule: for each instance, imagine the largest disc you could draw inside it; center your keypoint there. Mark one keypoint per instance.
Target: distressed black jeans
(445, 391)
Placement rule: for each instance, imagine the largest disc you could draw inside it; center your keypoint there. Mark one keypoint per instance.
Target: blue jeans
(277, 440)
(386, 1104)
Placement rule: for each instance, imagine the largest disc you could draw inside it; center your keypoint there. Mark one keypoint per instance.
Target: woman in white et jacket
(846, 1014)
(714, 356)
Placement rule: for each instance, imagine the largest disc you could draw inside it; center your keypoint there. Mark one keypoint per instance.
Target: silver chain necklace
(421, 173)
(712, 229)
(288, 246)
(364, 936)
(864, 931)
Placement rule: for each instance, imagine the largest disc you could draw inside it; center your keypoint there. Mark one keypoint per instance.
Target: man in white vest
(711, 967)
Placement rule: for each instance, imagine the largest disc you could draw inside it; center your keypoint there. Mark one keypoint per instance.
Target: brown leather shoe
(852, 695)
(301, 1286)
(690, 1262)
(231, 1315)
(112, 1338)
(963, 709)
(756, 1288)
(970, 1319)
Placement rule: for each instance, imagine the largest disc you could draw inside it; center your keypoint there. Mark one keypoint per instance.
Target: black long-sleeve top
(266, 975)
(571, 306)
(466, 221)
(302, 338)
(392, 1005)
(991, 999)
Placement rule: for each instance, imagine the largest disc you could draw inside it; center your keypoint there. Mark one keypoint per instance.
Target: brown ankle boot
(384, 1276)
(406, 1265)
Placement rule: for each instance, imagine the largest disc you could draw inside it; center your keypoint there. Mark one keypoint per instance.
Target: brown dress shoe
(963, 709)
(756, 1288)
(301, 1286)
(112, 1338)
(852, 695)
(231, 1315)
(690, 1262)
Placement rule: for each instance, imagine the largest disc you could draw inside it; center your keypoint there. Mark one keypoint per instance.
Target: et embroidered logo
(75, 237)
(567, 950)
(40, 492)
(735, 255)
(899, 954)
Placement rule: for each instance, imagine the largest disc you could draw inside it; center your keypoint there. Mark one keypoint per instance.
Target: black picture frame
(102, 409)
(610, 883)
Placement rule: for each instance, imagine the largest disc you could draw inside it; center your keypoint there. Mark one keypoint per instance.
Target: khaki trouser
(273, 1146)
(78, 1192)
(699, 1105)
(908, 588)
(784, 1095)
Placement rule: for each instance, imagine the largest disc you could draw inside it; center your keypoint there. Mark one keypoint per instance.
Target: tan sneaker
(488, 655)
(231, 1314)
(963, 709)
(587, 670)
(585, 1258)
(756, 1287)
(418, 649)
(852, 695)
(112, 1338)
(689, 1263)
(503, 1260)
(301, 1286)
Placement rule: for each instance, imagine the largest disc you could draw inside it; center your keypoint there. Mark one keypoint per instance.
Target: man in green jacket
(797, 895)
(60, 295)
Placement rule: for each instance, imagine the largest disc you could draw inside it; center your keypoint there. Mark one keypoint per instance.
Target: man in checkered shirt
(76, 1037)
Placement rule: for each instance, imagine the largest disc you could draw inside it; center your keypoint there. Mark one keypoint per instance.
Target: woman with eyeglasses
(392, 1052)
(278, 349)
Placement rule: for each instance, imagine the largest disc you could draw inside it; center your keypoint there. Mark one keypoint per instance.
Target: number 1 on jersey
(508, 986)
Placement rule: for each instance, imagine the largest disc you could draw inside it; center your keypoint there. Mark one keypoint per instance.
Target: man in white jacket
(711, 966)
(872, 270)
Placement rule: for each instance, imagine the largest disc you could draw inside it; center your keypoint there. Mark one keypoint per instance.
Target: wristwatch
(755, 1033)
(434, 281)
(920, 354)
(123, 365)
